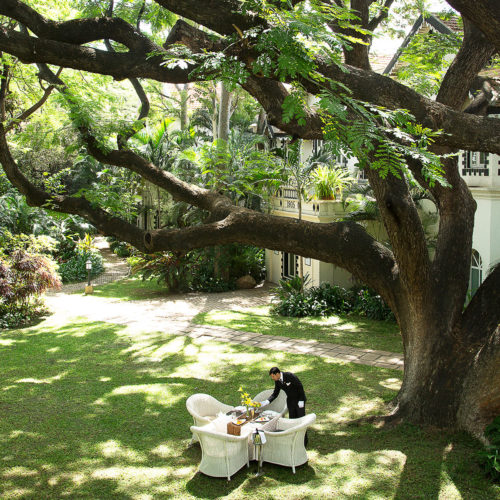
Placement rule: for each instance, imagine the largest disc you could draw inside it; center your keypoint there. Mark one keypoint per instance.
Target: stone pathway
(114, 269)
(174, 314)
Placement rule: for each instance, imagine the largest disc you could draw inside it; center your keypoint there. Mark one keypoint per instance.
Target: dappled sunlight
(115, 449)
(13, 492)
(449, 490)
(353, 406)
(160, 394)
(74, 478)
(356, 473)
(19, 472)
(112, 423)
(163, 451)
(8, 342)
(48, 380)
(23, 434)
(348, 330)
(391, 383)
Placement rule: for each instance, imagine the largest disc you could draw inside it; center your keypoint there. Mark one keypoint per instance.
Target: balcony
(480, 170)
(287, 201)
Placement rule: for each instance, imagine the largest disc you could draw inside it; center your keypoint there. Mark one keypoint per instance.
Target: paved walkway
(174, 314)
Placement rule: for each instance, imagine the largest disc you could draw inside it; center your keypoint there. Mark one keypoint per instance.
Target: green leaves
(294, 107)
(424, 61)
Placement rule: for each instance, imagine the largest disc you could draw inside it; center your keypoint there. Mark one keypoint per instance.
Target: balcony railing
(481, 171)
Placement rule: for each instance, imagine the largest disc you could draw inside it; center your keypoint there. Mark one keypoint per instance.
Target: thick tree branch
(107, 223)
(471, 58)
(461, 130)
(78, 31)
(383, 13)
(120, 65)
(405, 231)
(345, 244)
(485, 14)
(221, 16)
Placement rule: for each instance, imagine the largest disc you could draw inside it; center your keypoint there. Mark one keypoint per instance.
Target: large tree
(452, 354)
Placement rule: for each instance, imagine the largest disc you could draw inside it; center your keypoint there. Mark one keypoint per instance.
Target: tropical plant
(24, 277)
(329, 182)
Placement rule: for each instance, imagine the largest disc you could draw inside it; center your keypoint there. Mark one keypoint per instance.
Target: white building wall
(486, 237)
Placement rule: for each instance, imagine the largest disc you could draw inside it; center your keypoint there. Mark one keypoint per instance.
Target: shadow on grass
(352, 330)
(89, 410)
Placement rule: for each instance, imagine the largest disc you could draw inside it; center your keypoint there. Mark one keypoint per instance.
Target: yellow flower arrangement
(247, 401)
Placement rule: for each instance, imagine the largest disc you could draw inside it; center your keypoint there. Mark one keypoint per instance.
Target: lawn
(94, 410)
(133, 288)
(351, 330)
(355, 331)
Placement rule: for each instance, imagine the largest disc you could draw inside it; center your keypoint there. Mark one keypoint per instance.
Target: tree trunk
(224, 112)
(449, 384)
(221, 270)
(183, 102)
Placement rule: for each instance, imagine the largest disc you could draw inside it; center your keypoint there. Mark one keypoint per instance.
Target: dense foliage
(25, 274)
(74, 269)
(209, 270)
(292, 299)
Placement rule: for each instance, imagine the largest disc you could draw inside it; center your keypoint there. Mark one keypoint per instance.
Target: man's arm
(273, 396)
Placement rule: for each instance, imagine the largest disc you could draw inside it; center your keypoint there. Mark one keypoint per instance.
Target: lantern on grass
(88, 266)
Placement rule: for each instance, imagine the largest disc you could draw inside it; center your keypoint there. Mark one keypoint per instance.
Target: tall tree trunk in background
(184, 104)
(224, 112)
(221, 270)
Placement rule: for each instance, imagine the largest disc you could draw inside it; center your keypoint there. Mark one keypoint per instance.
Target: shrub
(245, 260)
(194, 271)
(327, 299)
(74, 269)
(367, 303)
(174, 270)
(24, 277)
(123, 250)
(490, 456)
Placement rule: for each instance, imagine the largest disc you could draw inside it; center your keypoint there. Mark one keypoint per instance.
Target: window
(289, 265)
(476, 272)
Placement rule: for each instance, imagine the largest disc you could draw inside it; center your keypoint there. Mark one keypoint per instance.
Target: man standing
(295, 396)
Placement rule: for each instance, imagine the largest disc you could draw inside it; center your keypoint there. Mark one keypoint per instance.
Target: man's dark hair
(274, 370)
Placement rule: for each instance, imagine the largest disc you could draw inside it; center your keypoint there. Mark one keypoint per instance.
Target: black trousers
(295, 412)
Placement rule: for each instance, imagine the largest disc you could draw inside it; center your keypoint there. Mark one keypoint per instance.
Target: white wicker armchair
(278, 405)
(204, 408)
(287, 446)
(222, 454)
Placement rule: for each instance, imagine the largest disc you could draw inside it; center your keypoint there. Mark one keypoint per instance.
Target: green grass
(132, 288)
(93, 410)
(354, 331)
